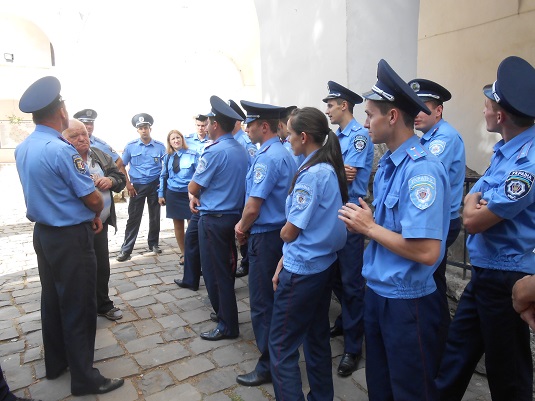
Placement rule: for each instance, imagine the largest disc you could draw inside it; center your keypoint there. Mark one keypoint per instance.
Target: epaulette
(525, 150)
(65, 140)
(132, 142)
(416, 152)
(191, 152)
(157, 141)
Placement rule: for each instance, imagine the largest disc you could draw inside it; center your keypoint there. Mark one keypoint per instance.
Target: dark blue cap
(429, 90)
(40, 94)
(220, 108)
(391, 88)
(337, 91)
(142, 118)
(86, 115)
(201, 117)
(260, 111)
(514, 90)
(236, 108)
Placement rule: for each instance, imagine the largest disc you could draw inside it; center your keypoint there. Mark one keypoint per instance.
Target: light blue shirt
(100, 144)
(196, 144)
(221, 172)
(270, 178)
(54, 178)
(357, 151)
(178, 182)
(244, 140)
(507, 187)
(313, 207)
(145, 160)
(445, 143)
(297, 159)
(412, 198)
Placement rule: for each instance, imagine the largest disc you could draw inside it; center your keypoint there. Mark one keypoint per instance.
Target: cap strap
(383, 94)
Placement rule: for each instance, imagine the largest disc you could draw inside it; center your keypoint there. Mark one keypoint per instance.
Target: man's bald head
(77, 134)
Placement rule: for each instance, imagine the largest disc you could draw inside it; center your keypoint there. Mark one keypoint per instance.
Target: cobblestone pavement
(156, 346)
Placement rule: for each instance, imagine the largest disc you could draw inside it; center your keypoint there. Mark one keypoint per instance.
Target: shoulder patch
(518, 184)
(252, 150)
(302, 196)
(437, 146)
(201, 166)
(423, 191)
(360, 143)
(79, 163)
(260, 171)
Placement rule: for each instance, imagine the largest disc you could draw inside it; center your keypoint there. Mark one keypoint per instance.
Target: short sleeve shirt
(145, 160)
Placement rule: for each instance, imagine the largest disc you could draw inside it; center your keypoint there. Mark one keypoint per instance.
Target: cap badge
(415, 86)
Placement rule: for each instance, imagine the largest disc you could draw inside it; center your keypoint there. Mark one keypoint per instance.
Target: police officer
(198, 140)
(499, 215)
(348, 284)
(145, 158)
(407, 240)
(267, 185)
(62, 200)
(441, 139)
(282, 132)
(218, 192)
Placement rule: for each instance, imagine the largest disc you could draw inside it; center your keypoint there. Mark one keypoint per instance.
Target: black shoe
(122, 256)
(106, 387)
(348, 364)
(182, 284)
(253, 378)
(242, 271)
(155, 249)
(214, 317)
(216, 335)
(336, 331)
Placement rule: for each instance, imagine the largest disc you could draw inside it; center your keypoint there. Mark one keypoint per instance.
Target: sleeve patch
(302, 196)
(423, 191)
(518, 184)
(79, 163)
(252, 151)
(201, 166)
(437, 146)
(360, 143)
(260, 171)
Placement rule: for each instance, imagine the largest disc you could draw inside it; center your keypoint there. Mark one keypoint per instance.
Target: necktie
(176, 163)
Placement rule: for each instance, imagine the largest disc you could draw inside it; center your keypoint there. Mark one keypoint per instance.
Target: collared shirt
(95, 172)
(54, 178)
(507, 187)
(297, 159)
(197, 144)
(270, 178)
(357, 151)
(244, 140)
(411, 197)
(445, 142)
(145, 160)
(313, 207)
(221, 172)
(178, 182)
(100, 144)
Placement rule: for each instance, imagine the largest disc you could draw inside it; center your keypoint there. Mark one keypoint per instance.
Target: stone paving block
(118, 367)
(243, 307)
(189, 304)
(104, 338)
(126, 288)
(136, 303)
(32, 354)
(217, 397)
(249, 393)
(30, 317)
(344, 388)
(128, 316)
(155, 381)
(161, 355)
(138, 293)
(158, 310)
(143, 343)
(29, 327)
(125, 332)
(200, 346)
(34, 339)
(11, 347)
(225, 378)
(9, 312)
(147, 282)
(6, 324)
(32, 307)
(171, 321)
(235, 353)
(182, 392)
(143, 313)
(191, 367)
(25, 292)
(5, 303)
(130, 274)
(147, 326)
(8, 334)
(181, 293)
(52, 389)
(20, 377)
(111, 351)
(359, 376)
(125, 393)
(176, 333)
(197, 315)
(164, 298)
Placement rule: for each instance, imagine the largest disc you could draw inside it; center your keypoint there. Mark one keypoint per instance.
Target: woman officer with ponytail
(312, 235)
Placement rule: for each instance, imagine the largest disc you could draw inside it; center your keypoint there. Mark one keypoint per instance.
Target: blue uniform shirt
(445, 142)
(196, 144)
(178, 182)
(270, 178)
(297, 159)
(54, 178)
(313, 207)
(506, 186)
(411, 197)
(244, 140)
(145, 160)
(100, 144)
(357, 151)
(221, 172)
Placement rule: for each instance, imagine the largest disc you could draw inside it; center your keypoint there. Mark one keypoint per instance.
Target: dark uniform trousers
(402, 347)
(301, 316)
(5, 394)
(67, 270)
(218, 259)
(135, 213)
(485, 322)
(265, 251)
(102, 253)
(348, 286)
(192, 254)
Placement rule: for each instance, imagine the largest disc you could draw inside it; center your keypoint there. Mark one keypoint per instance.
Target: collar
(140, 142)
(400, 153)
(427, 135)
(512, 147)
(353, 125)
(265, 146)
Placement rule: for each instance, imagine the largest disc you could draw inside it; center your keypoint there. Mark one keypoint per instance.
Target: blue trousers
(485, 322)
(192, 253)
(68, 270)
(265, 251)
(301, 316)
(135, 213)
(402, 347)
(348, 286)
(102, 253)
(219, 261)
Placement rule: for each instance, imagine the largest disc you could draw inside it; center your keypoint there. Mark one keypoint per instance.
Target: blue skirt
(177, 205)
